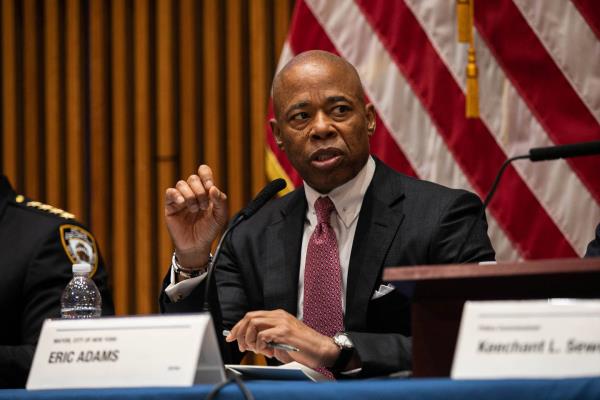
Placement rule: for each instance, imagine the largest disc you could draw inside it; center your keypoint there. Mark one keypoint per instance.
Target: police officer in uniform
(38, 245)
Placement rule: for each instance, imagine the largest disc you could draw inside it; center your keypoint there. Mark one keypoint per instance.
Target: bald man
(306, 270)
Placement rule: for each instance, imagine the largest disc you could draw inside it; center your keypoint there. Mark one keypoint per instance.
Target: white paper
(293, 371)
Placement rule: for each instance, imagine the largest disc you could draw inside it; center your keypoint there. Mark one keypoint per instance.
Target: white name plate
(166, 350)
(528, 339)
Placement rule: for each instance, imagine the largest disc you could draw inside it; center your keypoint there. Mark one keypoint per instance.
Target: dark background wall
(107, 103)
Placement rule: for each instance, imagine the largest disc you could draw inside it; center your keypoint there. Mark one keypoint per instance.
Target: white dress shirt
(347, 199)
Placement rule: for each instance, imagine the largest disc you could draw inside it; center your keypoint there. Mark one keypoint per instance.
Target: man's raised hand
(195, 213)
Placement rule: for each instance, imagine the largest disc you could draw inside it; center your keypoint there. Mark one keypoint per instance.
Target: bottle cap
(82, 268)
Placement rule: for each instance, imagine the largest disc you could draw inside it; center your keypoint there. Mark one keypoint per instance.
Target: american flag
(539, 85)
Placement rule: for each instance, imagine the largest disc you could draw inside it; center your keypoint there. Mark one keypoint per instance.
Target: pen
(281, 346)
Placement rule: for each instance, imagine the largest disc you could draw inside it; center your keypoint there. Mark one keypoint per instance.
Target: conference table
(405, 389)
(431, 354)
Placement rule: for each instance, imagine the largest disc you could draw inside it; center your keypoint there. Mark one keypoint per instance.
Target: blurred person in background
(593, 249)
(38, 245)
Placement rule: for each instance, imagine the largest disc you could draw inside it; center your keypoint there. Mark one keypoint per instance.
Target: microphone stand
(488, 198)
(259, 201)
(535, 154)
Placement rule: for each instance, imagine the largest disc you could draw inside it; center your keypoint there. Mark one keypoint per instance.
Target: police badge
(79, 245)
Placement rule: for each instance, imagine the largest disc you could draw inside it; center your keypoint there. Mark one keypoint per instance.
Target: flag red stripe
(540, 83)
(312, 36)
(468, 139)
(590, 11)
(385, 147)
(306, 32)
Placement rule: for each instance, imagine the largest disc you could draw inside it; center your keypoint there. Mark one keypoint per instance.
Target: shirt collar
(346, 198)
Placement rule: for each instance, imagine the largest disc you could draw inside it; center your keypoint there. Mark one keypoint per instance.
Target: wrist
(192, 259)
(346, 351)
(330, 352)
(182, 273)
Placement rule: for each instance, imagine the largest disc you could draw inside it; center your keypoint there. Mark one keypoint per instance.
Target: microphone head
(265, 195)
(565, 151)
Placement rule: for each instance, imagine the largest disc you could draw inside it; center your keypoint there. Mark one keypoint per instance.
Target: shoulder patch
(46, 207)
(79, 245)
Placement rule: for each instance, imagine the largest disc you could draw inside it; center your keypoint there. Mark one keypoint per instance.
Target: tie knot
(323, 207)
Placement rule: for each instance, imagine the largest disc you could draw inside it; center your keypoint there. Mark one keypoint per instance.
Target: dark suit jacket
(35, 269)
(403, 221)
(593, 249)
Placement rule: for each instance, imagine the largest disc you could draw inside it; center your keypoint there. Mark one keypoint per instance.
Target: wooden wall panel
(166, 148)
(99, 188)
(213, 130)
(32, 60)
(74, 109)
(282, 12)
(234, 105)
(52, 96)
(259, 87)
(10, 148)
(190, 73)
(143, 120)
(107, 103)
(122, 182)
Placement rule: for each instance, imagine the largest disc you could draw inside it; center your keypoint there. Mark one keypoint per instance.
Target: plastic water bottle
(81, 298)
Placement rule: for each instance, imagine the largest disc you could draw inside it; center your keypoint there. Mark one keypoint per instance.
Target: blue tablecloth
(408, 389)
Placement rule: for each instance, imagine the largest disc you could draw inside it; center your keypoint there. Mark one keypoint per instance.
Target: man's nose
(322, 127)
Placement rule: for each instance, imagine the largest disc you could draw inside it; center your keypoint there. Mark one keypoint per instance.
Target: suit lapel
(283, 243)
(379, 219)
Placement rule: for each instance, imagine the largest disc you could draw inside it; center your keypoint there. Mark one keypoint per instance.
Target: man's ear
(276, 132)
(370, 114)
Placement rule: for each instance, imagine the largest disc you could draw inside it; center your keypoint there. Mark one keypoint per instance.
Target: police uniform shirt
(38, 245)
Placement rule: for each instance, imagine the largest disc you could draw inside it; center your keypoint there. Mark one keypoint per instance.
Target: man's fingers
(218, 198)
(206, 176)
(174, 201)
(173, 197)
(188, 195)
(283, 356)
(250, 337)
(199, 190)
(262, 340)
(239, 333)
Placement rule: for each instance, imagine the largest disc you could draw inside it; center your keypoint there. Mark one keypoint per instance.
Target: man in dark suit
(375, 217)
(593, 249)
(38, 243)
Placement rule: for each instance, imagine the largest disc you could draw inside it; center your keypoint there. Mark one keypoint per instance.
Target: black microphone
(564, 151)
(535, 154)
(265, 195)
(259, 201)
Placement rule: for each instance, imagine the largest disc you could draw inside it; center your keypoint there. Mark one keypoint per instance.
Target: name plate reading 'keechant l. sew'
(169, 350)
(557, 338)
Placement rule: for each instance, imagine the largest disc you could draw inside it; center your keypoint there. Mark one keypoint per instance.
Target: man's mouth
(326, 158)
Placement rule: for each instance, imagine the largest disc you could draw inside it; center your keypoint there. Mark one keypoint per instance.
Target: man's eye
(341, 109)
(300, 116)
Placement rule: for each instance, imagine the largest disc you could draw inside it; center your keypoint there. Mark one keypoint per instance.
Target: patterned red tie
(323, 276)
